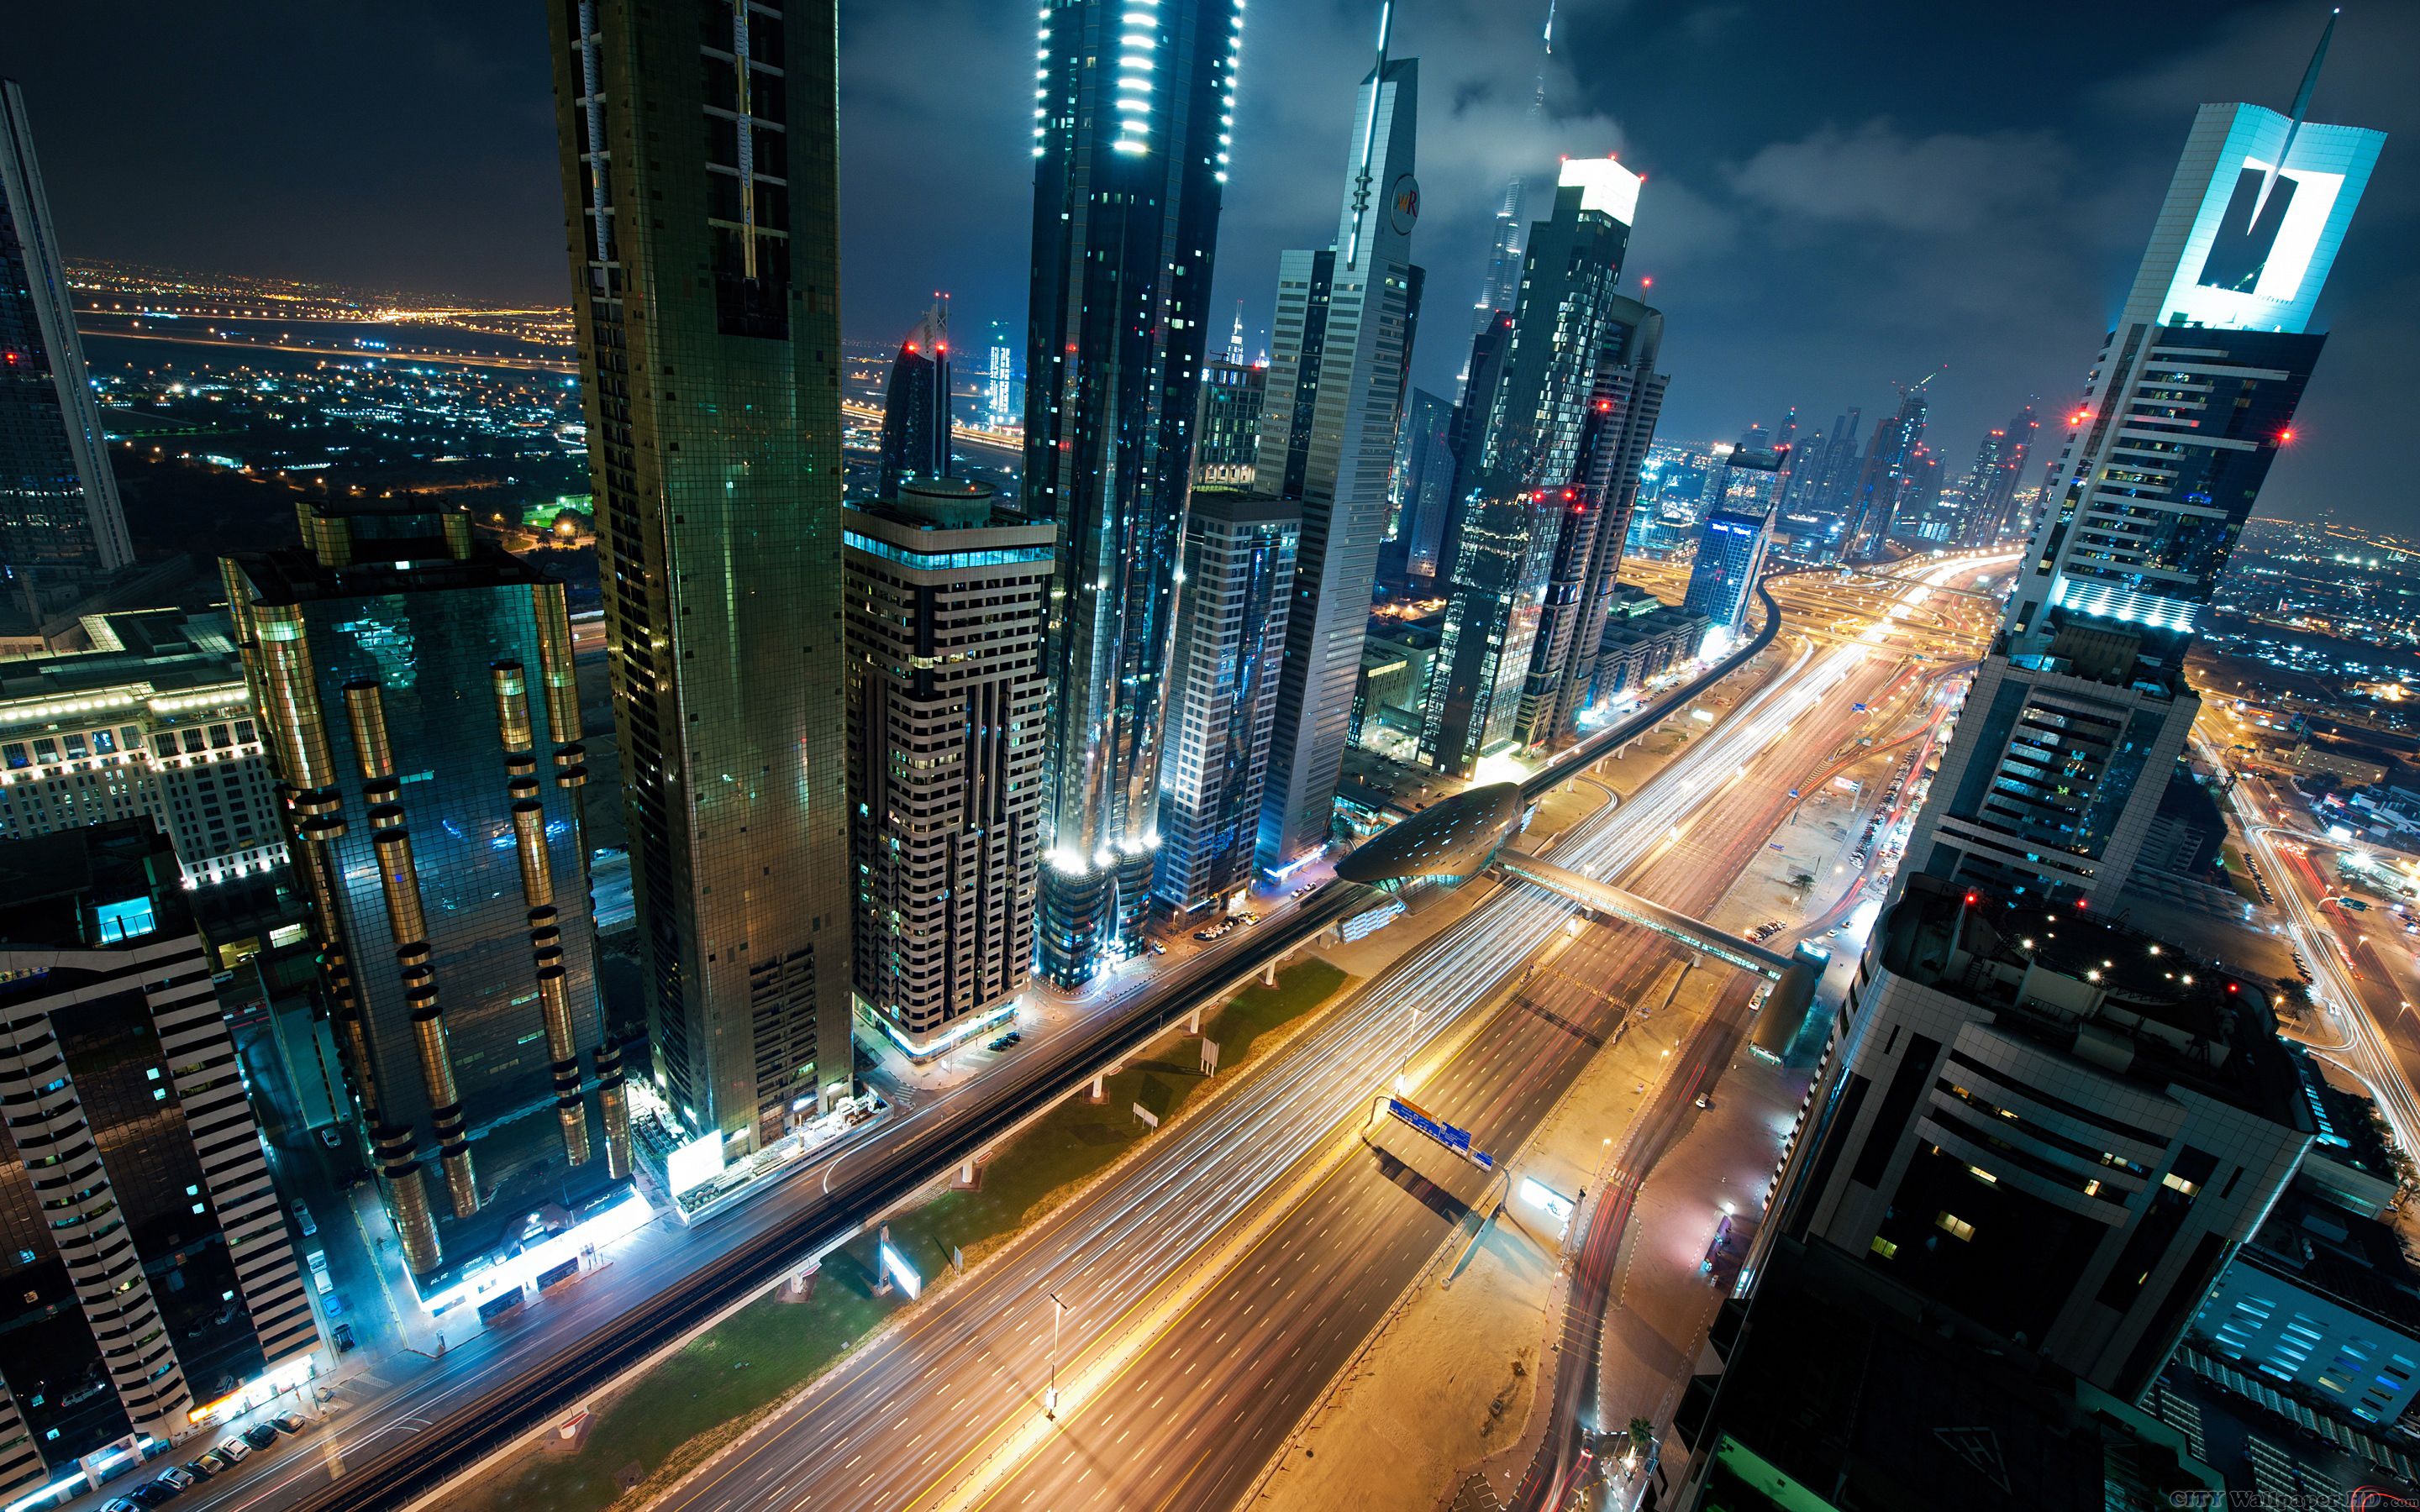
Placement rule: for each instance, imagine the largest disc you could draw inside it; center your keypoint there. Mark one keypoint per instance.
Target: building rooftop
(2357, 1260)
(2117, 999)
(1856, 1392)
(154, 651)
(354, 548)
(87, 888)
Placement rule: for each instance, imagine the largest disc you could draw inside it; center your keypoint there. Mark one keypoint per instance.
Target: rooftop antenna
(1538, 103)
(2302, 108)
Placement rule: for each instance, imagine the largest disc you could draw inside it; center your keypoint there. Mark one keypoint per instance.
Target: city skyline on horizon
(1901, 232)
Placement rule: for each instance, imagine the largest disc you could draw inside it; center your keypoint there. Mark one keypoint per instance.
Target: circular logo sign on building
(1404, 204)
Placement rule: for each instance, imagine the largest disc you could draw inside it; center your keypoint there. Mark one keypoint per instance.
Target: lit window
(1955, 1226)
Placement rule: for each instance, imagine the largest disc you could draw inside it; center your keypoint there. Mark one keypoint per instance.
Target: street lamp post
(1050, 1394)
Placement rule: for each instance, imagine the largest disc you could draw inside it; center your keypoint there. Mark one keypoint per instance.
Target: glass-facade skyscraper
(697, 153)
(423, 720)
(1226, 433)
(1133, 106)
(1887, 478)
(1342, 344)
(916, 405)
(2075, 720)
(1731, 552)
(1521, 427)
(1231, 636)
(1623, 408)
(61, 524)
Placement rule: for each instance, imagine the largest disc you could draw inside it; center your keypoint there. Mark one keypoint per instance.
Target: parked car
(203, 1468)
(154, 1493)
(234, 1450)
(178, 1476)
(260, 1435)
(330, 1137)
(290, 1421)
(119, 1504)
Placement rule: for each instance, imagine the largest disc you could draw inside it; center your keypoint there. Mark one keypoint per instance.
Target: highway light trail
(978, 1361)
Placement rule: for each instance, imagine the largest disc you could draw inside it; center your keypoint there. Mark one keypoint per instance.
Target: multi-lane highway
(413, 1422)
(2364, 979)
(1176, 1386)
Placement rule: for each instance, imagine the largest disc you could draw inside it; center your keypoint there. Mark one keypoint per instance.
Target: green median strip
(723, 1382)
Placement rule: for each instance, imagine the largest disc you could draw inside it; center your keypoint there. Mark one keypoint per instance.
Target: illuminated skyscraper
(2000, 464)
(1343, 345)
(61, 524)
(1132, 108)
(145, 1250)
(916, 405)
(1227, 434)
(698, 168)
(2075, 720)
(1230, 634)
(1000, 408)
(1731, 553)
(1424, 480)
(423, 720)
(1620, 426)
(1521, 462)
(1501, 290)
(1887, 477)
(945, 695)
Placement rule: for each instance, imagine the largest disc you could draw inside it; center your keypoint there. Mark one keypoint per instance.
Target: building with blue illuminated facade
(2075, 720)
(423, 716)
(1133, 110)
(1731, 553)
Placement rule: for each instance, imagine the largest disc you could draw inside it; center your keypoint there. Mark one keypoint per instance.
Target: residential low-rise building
(2323, 1302)
(155, 722)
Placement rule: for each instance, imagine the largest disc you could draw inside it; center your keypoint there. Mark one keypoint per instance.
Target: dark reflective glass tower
(1132, 111)
(697, 154)
(61, 524)
(916, 405)
(423, 718)
(1519, 432)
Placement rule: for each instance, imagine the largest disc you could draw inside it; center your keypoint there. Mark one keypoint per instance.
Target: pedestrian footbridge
(1455, 840)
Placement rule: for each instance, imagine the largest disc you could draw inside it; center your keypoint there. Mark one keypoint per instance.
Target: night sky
(1838, 195)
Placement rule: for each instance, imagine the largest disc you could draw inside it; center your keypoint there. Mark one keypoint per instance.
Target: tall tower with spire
(1345, 323)
(2075, 720)
(1504, 283)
